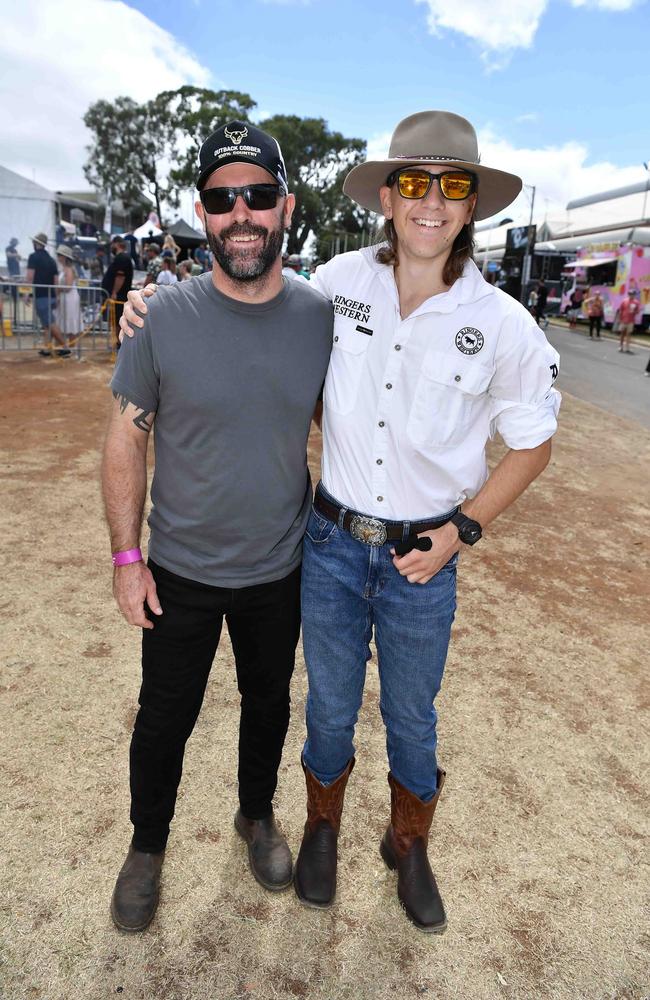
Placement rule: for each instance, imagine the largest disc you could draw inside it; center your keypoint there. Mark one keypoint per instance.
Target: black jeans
(595, 324)
(177, 654)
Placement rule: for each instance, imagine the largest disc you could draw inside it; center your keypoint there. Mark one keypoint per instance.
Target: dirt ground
(540, 839)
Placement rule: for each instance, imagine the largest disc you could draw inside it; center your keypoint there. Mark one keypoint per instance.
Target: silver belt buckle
(368, 530)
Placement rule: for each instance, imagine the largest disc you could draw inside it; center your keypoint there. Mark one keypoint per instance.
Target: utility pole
(526, 267)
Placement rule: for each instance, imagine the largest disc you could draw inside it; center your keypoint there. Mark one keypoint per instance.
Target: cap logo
(235, 135)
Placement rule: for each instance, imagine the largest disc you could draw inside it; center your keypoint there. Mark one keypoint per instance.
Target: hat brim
(38, 239)
(496, 188)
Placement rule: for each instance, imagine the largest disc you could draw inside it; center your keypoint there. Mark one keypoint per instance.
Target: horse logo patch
(469, 340)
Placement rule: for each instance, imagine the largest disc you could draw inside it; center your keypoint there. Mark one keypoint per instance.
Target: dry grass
(540, 841)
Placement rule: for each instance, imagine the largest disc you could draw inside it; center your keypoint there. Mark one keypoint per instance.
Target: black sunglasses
(257, 197)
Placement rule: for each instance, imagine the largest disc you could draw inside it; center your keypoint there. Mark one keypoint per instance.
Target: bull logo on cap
(235, 135)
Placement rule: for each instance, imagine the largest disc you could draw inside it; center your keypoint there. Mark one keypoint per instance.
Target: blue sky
(557, 89)
(363, 65)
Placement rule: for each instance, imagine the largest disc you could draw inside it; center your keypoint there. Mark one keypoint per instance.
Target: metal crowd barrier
(22, 329)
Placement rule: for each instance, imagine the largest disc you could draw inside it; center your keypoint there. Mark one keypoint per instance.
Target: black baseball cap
(241, 142)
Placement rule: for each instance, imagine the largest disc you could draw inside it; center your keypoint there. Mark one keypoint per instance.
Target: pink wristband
(124, 558)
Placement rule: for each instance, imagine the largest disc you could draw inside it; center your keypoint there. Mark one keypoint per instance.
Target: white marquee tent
(26, 208)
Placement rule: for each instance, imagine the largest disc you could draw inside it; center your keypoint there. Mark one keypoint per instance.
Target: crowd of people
(55, 277)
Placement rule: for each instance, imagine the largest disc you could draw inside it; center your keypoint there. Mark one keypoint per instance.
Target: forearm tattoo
(143, 419)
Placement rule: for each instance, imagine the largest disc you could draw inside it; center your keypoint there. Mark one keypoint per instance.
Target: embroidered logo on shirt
(469, 340)
(360, 311)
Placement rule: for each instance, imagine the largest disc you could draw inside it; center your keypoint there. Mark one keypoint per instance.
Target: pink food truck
(613, 271)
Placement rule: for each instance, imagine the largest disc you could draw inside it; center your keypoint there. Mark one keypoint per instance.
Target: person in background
(289, 268)
(13, 258)
(13, 267)
(169, 243)
(185, 270)
(200, 256)
(153, 263)
(133, 249)
(43, 273)
(540, 305)
(117, 283)
(628, 313)
(595, 310)
(575, 305)
(167, 275)
(68, 301)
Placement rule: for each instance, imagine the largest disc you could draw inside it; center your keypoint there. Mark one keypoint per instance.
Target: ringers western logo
(235, 135)
(352, 309)
(469, 340)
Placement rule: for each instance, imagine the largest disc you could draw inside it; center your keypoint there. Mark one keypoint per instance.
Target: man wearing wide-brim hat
(428, 362)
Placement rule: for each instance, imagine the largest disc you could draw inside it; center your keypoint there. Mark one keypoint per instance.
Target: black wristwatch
(469, 531)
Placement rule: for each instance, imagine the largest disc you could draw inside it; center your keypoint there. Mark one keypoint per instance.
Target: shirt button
(379, 461)
(398, 347)
(389, 385)
(335, 339)
(456, 378)
(381, 423)
(380, 499)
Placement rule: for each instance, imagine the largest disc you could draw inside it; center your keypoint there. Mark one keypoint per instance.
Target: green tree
(152, 148)
(317, 160)
(122, 156)
(190, 115)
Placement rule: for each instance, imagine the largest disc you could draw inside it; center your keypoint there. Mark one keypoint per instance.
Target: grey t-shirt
(234, 387)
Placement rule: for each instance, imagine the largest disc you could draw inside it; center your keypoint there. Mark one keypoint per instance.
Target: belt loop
(343, 511)
(406, 530)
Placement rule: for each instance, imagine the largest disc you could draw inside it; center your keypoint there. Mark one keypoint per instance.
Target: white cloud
(558, 173)
(59, 57)
(499, 28)
(619, 5)
(504, 25)
(530, 116)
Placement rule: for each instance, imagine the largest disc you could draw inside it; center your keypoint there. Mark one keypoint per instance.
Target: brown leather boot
(269, 857)
(315, 875)
(137, 890)
(404, 847)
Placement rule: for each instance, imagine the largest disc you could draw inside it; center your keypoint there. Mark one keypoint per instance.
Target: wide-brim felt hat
(63, 251)
(427, 138)
(40, 238)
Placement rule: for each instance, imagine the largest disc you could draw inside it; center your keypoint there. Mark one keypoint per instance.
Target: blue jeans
(350, 589)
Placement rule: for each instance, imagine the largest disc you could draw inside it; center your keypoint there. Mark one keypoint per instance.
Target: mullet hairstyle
(462, 250)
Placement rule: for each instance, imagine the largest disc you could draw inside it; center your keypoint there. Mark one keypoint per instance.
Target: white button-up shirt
(409, 404)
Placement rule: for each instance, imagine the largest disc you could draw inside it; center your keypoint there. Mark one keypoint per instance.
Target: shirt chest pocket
(450, 395)
(346, 367)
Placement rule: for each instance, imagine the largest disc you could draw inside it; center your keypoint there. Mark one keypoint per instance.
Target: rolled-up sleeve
(524, 404)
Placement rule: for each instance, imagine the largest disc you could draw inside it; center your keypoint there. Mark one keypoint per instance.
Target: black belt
(372, 530)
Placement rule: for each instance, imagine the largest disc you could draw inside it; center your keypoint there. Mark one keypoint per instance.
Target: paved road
(595, 371)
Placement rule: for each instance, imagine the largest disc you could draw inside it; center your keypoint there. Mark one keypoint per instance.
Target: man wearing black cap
(232, 399)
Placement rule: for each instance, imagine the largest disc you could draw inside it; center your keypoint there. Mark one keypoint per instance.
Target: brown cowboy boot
(315, 875)
(404, 847)
(269, 857)
(137, 890)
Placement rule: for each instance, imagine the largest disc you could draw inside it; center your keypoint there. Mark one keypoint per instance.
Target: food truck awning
(591, 261)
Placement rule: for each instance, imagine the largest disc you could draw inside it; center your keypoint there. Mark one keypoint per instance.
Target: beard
(243, 265)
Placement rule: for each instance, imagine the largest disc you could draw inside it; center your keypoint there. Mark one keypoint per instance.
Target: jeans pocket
(319, 528)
